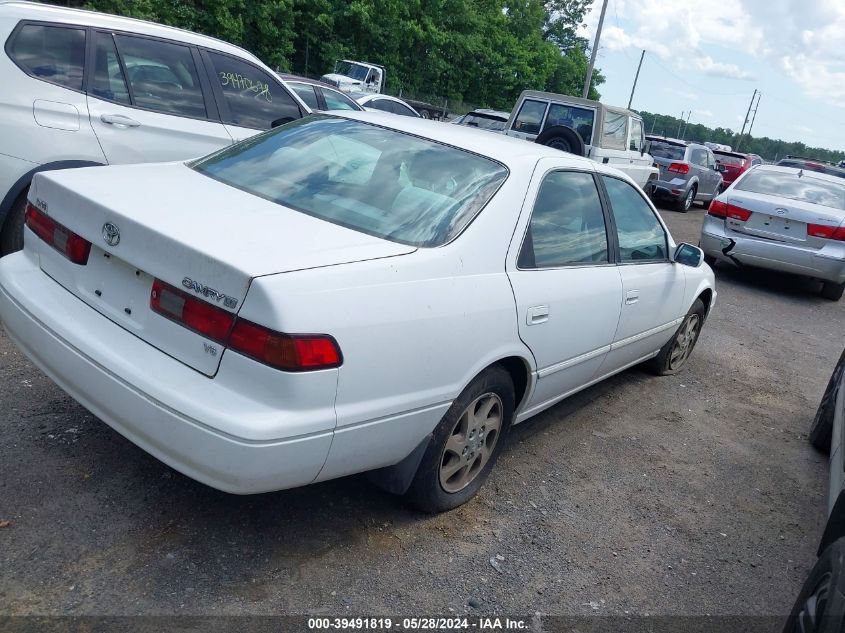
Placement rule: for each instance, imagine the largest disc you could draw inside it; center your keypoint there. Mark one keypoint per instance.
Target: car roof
(502, 148)
(49, 13)
(554, 96)
(307, 80)
(724, 152)
(666, 139)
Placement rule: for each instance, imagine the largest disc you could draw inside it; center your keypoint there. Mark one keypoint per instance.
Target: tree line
(769, 148)
(478, 52)
(464, 53)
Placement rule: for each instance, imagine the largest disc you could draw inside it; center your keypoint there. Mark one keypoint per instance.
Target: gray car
(781, 218)
(688, 173)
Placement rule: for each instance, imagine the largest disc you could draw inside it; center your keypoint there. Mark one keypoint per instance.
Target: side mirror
(719, 167)
(282, 121)
(688, 255)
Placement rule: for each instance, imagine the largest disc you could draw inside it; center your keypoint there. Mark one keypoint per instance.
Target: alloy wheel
(471, 443)
(684, 341)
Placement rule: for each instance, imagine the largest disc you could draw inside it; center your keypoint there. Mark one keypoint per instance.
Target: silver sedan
(783, 219)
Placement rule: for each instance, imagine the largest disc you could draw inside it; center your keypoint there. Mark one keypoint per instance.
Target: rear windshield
(484, 121)
(791, 186)
(378, 181)
(659, 149)
(729, 159)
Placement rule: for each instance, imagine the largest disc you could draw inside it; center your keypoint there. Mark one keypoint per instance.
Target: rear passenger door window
(162, 76)
(567, 225)
(614, 132)
(55, 54)
(108, 81)
(640, 234)
(251, 97)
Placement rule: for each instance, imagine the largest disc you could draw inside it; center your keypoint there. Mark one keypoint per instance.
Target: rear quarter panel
(414, 329)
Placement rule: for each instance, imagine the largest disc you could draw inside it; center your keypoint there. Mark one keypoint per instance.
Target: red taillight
(297, 352)
(68, 243)
(826, 231)
(300, 352)
(721, 209)
(680, 168)
(199, 316)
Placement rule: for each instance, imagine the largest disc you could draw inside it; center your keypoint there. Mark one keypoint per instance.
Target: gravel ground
(692, 494)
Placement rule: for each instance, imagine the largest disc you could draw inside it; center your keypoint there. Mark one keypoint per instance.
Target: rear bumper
(827, 264)
(676, 188)
(171, 411)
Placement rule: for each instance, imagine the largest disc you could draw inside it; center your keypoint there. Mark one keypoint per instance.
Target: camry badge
(111, 234)
(202, 289)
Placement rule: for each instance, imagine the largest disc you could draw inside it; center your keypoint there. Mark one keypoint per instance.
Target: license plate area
(116, 288)
(773, 226)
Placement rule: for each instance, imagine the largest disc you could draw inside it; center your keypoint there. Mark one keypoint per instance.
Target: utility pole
(745, 122)
(636, 77)
(758, 95)
(678, 133)
(684, 133)
(589, 78)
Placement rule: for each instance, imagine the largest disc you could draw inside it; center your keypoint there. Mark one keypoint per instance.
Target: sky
(708, 56)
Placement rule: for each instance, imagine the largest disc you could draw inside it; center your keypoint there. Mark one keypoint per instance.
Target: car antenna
(800, 172)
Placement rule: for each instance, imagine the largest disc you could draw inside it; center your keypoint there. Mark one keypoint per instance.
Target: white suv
(83, 89)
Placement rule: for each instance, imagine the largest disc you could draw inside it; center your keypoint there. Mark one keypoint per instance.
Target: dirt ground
(692, 494)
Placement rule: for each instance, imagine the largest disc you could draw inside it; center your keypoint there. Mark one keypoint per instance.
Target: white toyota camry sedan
(343, 294)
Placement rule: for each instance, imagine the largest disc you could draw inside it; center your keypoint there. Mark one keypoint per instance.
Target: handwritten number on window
(239, 82)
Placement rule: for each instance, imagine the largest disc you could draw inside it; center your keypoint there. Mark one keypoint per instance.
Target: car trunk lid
(780, 219)
(204, 237)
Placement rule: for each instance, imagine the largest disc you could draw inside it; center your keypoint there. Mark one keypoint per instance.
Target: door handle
(119, 119)
(632, 296)
(537, 314)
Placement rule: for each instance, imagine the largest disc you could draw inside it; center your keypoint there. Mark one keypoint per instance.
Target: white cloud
(679, 32)
(803, 40)
(705, 114)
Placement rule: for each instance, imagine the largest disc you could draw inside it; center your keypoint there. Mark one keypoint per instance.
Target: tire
(563, 138)
(710, 261)
(821, 431)
(685, 204)
(716, 194)
(674, 355)
(453, 468)
(425, 114)
(820, 605)
(832, 291)
(11, 237)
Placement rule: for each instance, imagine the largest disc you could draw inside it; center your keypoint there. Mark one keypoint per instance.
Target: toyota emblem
(111, 234)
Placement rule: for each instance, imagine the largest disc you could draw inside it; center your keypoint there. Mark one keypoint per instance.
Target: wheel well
(519, 373)
(6, 218)
(706, 297)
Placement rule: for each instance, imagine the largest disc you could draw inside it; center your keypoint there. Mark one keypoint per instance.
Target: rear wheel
(820, 605)
(465, 445)
(674, 355)
(425, 114)
(821, 431)
(11, 238)
(683, 205)
(833, 291)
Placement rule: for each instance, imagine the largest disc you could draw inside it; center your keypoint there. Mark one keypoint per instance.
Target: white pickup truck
(588, 128)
